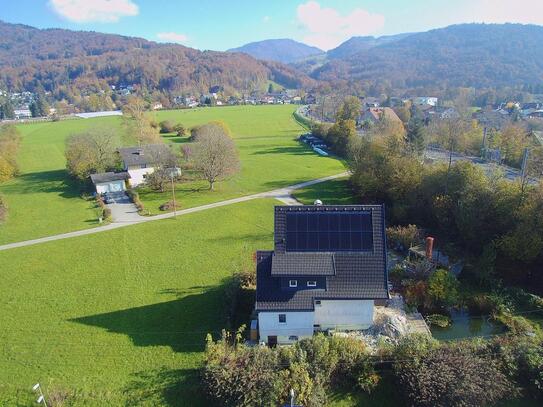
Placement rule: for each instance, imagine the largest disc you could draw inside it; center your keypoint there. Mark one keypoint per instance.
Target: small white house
(327, 270)
(141, 161)
(109, 182)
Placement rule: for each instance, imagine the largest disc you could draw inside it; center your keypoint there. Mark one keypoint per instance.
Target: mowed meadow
(120, 318)
(44, 201)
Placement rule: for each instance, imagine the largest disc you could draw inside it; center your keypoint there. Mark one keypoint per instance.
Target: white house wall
(298, 324)
(344, 314)
(137, 176)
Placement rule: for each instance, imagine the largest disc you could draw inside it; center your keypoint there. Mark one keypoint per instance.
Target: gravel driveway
(123, 210)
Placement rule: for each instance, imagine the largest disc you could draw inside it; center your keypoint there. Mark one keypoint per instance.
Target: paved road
(282, 194)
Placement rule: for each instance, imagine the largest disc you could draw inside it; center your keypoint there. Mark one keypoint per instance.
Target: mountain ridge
(283, 50)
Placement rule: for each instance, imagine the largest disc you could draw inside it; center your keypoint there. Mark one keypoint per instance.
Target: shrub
(452, 376)
(3, 209)
(166, 127)
(135, 197)
(403, 237)
(521, 359)
(179, 129)
(439, 320)
(168, 206)
(106, 214)
(443, 288)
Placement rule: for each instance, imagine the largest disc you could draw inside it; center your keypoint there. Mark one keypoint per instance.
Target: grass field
(271, 157)
(119, 318)
(44, 201)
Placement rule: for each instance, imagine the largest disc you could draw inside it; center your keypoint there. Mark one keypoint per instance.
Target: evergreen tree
(39, 106)
(415, 135)
(6, 110)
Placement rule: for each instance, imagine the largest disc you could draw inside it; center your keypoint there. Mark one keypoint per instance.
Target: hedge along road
(282, 194)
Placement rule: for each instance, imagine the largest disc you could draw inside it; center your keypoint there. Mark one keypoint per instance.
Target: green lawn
(271, 157)
(44, 201)
(333, 192)
(120, 317)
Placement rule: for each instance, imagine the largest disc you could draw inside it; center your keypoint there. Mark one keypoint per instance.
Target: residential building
(109, 182)
(141, 161)
(327, 269)
(425, 100)
(373, 115)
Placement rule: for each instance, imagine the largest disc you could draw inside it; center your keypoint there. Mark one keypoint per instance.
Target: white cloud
(507, 11)
(266, 19)
(327, 28)
(103, 11)
(172, 37)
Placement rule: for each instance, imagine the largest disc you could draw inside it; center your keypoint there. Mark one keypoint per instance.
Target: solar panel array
(329, 231)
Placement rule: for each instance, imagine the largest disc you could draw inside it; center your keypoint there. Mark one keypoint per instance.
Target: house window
(311, 283)
(282, 318)
(292, 338)
(293, 283)
(318, 302)
(143, 166)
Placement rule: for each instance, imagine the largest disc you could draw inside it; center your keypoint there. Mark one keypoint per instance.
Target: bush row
(135, 197)
(427, 372)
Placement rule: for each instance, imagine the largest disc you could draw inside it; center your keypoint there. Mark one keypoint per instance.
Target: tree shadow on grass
(57, 181)
(181, 324)
(170, 387)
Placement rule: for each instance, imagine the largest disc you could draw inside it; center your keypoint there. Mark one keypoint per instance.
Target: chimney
(429, 247)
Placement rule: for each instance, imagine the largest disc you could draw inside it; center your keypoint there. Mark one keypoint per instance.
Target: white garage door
(113, 186)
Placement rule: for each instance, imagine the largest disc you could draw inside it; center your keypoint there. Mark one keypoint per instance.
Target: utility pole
(173, 195)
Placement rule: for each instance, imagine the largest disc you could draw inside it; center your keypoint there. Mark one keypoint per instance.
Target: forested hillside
(467, 55)
(281, 50)
(67, 62)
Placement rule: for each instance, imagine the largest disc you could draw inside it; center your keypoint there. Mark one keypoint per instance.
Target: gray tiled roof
(358, 275)
(143, 155)
(108, 177)
(302, 264)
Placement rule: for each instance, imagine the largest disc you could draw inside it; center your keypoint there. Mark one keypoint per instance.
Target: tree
(341, 134)
(6, 110)
(39, 106)
(180, 130)
(93, 151)
(10, 140)
(270, 88)
(415, 135)
(443, 288)
(216, 156)
(137, 122)
(350, 109)
(165, 167)
(166, 126)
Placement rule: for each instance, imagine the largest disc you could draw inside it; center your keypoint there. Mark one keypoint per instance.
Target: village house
(374, 115)
(109, 182)
(327, 269)
(140, 161)
(425, 101)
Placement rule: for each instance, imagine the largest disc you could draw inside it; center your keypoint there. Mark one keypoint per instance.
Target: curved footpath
(282, 194)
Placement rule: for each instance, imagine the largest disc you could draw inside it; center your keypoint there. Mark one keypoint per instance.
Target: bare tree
(166, 164)
(216, 155)
(137, 123)
(91, 152)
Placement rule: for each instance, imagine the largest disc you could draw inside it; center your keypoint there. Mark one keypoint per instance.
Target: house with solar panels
(326, 271)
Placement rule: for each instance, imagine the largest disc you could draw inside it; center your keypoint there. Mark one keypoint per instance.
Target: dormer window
(312, 283)
(293, 283)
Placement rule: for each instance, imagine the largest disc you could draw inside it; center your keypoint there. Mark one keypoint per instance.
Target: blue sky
(223, 24)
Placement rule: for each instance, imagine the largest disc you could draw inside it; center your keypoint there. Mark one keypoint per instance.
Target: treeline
(418, 369)
(10, 140)
(498, 222)
(73, 65)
